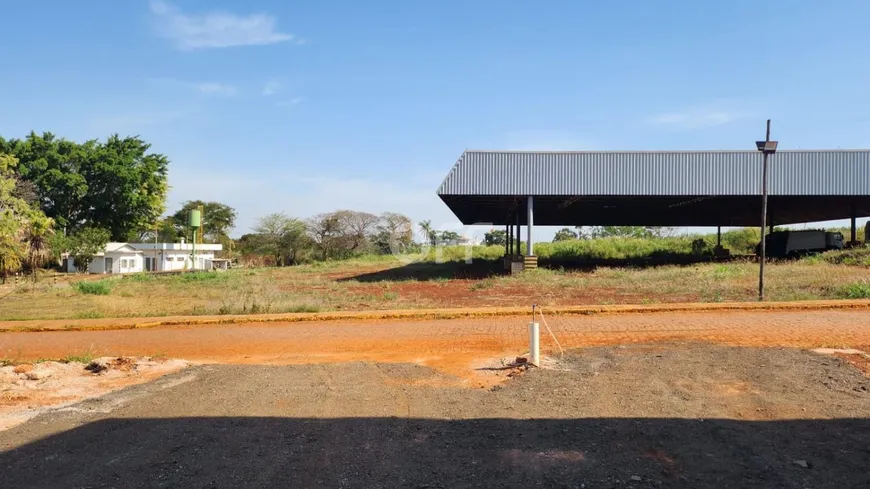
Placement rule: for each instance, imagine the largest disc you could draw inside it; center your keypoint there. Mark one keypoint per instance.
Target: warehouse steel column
(510, 236)
(854, 213)
(518, 250)
(530, 261)
(530, 225)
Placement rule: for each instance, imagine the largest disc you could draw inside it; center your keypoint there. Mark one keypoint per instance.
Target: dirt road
(455, 346)
(615, 417)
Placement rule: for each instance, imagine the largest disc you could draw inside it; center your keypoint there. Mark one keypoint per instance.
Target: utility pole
(767, 147)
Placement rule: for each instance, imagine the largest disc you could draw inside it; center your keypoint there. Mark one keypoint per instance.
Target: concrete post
(530, 225)
(535, 344)
(506, 240)
(519, 248)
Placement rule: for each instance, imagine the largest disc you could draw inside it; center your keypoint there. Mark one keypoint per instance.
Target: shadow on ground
(480, 269)
(402, 452)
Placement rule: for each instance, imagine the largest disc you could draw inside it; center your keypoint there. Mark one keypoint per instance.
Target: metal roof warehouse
(656, 188)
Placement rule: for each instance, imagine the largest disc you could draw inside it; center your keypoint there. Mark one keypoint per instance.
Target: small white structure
(460, 241)
(150, 257)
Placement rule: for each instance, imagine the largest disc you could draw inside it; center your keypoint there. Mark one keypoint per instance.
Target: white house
(150, 257)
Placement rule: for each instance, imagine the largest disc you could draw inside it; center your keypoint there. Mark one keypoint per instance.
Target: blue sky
(310, 106)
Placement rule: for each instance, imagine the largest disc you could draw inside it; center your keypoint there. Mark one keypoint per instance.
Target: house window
(123, 263)
(168, 258)
(180, 258)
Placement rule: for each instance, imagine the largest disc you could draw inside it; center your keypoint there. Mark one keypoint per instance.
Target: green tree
(23, 229)
(447, 236)
(565, 234)
(217, 219)
(280, 236)
(85, 244)
(116, 185)
(428, 231)
(12, 212)
(163, 231)
(395, 233)
(126, 186)
(645, 232)
(54, 169)
(37, 237)
(495, 237)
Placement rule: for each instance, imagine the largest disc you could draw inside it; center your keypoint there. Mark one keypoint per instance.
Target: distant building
(461, 241)
(150, 257)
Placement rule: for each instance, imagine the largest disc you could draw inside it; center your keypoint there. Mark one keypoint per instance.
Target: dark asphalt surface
(679, 416)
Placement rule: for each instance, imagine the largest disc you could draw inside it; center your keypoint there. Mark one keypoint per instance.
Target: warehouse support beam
(506, 240)
(718, 236)
(530, 225)
(854, 217)
(519, 248)
(510, 236)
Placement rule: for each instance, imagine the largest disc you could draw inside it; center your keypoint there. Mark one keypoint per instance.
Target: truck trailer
(784, 244)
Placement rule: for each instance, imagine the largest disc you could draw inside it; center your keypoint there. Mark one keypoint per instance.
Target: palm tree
(36, 239)
(428, 232)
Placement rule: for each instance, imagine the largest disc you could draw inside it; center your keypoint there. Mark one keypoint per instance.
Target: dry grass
(385, 283)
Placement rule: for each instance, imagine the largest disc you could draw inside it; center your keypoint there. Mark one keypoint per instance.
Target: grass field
(383, 282)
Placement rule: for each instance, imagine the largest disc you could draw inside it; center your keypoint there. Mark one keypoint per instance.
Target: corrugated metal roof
(823, 172)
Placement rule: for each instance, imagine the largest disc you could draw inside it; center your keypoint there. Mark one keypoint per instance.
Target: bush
(858, 290)
(854, 256)
(99, 287)
(202, 277)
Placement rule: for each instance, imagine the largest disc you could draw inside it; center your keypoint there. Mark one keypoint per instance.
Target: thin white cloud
(290, 102)
(212, 88)
(697, 118)
(271, 88)
(216, 29)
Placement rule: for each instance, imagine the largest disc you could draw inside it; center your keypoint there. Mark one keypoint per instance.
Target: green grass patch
(857, 290)
(854, 257)
(483, 284)
(201, 277)
(97, 287)
(89, 315)
(302, 308)
(84, 357)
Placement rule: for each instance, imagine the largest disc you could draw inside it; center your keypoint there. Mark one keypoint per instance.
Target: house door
(109, 264)
(148, 264)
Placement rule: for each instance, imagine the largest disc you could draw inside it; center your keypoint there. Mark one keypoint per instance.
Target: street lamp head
(766, 147)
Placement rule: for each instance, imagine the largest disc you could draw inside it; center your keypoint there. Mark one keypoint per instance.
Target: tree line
(286, 240)
(59, 196)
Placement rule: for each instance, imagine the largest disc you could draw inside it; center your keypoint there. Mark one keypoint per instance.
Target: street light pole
(767, 147)
(763, 220)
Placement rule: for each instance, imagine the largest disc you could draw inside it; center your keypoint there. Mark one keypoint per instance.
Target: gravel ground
(638, 416)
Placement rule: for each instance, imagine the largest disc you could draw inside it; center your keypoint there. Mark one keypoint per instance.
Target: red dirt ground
(457, 346)
(861, 362)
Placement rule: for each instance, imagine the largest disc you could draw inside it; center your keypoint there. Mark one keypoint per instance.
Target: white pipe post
(535, 344)
(531, 224)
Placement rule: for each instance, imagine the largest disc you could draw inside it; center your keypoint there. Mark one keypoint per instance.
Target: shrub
(98, 287)
(201, 277)
(89, 315)
(855, 257)
(857, 290)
